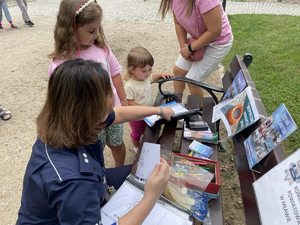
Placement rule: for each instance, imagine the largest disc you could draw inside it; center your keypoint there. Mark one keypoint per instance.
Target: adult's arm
(65, 199)
(213, 22)
(180, 33)
(128, 113)
(155, 185)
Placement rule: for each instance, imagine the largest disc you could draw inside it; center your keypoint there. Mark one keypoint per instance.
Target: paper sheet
(128, 196)
(150, 156)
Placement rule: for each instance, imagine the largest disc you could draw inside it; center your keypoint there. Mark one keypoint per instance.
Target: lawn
(275, 45)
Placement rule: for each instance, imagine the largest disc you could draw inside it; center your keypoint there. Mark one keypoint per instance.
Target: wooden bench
(170, 137)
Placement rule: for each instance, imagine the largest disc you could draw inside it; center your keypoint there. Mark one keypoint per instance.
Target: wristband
(190, 48)
(161, 111)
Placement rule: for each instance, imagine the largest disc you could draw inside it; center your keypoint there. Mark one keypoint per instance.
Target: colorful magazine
(240, 112)
(268, 135)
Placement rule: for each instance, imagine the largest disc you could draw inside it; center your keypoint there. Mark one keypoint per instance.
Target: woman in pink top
(78, 34)
(200, 25)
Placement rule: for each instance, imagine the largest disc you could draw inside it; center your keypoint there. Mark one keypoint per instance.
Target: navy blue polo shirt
(64, 186)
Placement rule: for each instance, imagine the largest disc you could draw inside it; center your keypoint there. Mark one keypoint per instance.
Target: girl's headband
(82, 7)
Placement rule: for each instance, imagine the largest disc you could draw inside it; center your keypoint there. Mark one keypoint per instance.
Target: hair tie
(81, 8)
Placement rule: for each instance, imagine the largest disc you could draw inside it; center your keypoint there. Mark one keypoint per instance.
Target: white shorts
(200, 70)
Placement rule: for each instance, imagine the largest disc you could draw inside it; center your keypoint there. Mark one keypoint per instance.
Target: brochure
(177, 107)
(206, 136)
(240, 112)
(149, 157)
(237, 86)
(200, 150)
(278, 193)
(268, 135)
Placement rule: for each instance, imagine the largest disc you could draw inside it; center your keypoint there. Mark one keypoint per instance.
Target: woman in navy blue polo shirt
(65, 181)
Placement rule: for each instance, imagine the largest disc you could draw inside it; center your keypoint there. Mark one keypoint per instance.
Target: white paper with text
(278, 193)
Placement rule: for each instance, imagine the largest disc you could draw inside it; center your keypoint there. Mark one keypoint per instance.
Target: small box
(213, 187)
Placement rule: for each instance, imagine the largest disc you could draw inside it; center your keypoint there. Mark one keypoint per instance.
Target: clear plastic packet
(195, 201)
(190, 174)
(186, 188)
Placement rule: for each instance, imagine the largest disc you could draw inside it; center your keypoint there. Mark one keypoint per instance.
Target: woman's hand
(185, 52)
(158, 180)
(166, 112)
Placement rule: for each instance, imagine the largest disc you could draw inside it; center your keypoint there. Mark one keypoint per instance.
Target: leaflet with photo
(238, 84)
(200, 150)
(268, 135)
(240, 112)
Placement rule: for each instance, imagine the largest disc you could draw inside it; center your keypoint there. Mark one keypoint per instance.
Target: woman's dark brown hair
(77, 102)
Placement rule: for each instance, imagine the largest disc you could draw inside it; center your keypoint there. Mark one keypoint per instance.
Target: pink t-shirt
(194, 24)
(106, 58)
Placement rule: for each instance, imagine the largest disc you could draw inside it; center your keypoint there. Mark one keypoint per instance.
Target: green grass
(274, 42)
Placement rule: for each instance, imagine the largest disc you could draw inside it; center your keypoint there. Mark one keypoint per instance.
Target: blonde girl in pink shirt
(78, 34)
(199, 24)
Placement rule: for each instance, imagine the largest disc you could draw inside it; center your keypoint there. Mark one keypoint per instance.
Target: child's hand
(158, 180)
(124, 102)
(166, 75)
(166, 112)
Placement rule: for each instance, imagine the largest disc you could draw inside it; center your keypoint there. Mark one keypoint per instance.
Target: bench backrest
(247, 176)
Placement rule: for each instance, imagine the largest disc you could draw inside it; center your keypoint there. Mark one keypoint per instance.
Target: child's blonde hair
(165, 6)
(69, 18)
(138, 57)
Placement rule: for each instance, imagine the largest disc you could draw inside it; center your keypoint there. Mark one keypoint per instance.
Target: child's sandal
(5, 114)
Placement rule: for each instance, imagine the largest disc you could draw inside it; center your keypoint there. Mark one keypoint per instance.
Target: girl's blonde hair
(138, 57)
(165, 6)
(66, 42)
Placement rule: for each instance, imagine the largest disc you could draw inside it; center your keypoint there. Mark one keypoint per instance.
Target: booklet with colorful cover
(177, 107)
(200, 150)
(269, 134)
(240, 112)
(237, 86)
